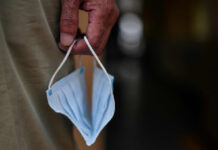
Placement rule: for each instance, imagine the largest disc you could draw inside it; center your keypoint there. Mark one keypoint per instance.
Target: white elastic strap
(67, 55)
(61, 64)
(97, 59)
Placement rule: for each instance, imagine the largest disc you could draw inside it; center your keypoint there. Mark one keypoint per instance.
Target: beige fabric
(28, 57)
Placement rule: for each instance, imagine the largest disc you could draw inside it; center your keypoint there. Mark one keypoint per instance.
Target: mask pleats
(77, 87)
(65, 105)
(97, 90)
(102, 104)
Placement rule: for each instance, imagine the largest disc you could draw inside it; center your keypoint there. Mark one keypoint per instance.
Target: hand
(102, 17)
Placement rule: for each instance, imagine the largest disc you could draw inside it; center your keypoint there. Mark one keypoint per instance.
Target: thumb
(69, 21)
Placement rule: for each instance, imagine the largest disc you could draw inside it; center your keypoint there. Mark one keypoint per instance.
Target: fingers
(94, 34)
(102, 16)
(68, 22)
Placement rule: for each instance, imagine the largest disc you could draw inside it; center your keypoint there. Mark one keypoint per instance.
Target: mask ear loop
(61, 64)
(67, 55)
(97, 59)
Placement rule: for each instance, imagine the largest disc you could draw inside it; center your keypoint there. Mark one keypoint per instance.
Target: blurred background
(164, 56)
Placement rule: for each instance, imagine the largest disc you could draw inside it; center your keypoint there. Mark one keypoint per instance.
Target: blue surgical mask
(68, 96)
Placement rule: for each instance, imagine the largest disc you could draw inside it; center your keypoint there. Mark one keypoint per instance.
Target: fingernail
(66, 39)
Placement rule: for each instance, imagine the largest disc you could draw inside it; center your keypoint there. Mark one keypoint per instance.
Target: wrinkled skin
(102, 16)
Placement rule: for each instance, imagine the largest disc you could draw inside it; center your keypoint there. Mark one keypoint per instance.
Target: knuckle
(66, 5)
(68, 23)
(67, 26)
(69, 13)
(69, 3)
(69, 17)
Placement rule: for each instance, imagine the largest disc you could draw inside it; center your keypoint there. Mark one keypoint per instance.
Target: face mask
(68, 96)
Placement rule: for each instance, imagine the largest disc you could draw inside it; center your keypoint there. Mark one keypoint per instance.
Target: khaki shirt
(29, 31)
